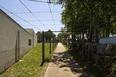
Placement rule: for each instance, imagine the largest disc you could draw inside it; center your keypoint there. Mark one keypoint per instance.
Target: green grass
(31, 64)
(87, 66)
(65, 46)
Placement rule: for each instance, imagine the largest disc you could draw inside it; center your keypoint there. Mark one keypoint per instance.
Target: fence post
(50, 45)
(43, 47)
(53, 43)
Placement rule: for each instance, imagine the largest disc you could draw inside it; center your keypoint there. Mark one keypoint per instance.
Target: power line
(52, 15)
(95, 3)
(36, 20)
(37, 12)
(42, 1)
(31, 12)
(19, 17)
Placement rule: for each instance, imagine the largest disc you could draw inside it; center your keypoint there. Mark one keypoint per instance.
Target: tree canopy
(95, 18)
(47, 35)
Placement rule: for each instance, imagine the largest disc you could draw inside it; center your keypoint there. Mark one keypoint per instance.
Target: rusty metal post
(43, 47)
(53, 43)
(50, 45)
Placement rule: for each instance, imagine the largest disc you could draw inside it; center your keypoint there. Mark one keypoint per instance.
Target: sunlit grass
(29, 66)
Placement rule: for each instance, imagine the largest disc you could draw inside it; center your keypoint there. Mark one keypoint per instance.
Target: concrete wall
(14, 41)
(35, 39)
(31, 31)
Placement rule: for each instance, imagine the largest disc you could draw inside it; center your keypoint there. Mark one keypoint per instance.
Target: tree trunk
(107, 33)
(97, 34)
(109, 27)
(83, 45)
(80, 36)
(72, 40)
(91, 26)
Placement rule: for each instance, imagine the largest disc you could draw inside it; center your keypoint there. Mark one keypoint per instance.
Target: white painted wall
(31, 31)
(12, 45)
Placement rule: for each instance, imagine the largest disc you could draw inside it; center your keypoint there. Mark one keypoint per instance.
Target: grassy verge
(65, 46)
(87, 66)
(30, 64)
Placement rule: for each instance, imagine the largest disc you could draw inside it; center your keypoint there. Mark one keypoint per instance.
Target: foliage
(63, 29)
(113, 68)
(39, 37)
(88, 66)
(106, 67)
(64, 35)
(30, 64)
(95, 18)
(47, 35)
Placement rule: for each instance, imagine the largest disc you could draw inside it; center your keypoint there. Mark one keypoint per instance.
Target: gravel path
(63, 65)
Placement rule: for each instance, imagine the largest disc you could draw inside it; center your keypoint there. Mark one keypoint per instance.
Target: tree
(39, 36)
(91, 17)
(63, 35)
(47, 35)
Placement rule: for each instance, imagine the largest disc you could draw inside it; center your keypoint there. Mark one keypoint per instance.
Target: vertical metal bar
(50, 45)
(43, 47)
(53, 43)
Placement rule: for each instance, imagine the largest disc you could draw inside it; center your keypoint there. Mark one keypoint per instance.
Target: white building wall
(35, 39)
(14, 41)
(31, 31)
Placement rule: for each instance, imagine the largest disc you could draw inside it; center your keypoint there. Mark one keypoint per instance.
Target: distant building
(15, 41)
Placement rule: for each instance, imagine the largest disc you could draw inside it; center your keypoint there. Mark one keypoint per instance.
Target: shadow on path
(64, 59)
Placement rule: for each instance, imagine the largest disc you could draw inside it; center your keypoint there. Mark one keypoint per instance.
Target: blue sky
(40, 10)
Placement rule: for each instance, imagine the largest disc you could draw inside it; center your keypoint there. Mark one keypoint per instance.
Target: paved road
(63, 65)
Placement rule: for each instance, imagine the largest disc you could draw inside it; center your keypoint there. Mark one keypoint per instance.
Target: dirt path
(63, 65)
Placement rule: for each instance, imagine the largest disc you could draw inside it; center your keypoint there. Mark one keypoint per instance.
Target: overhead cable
(37, 12)
(31, 13)
(41, 1)
(52, 15)
(19, 17)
